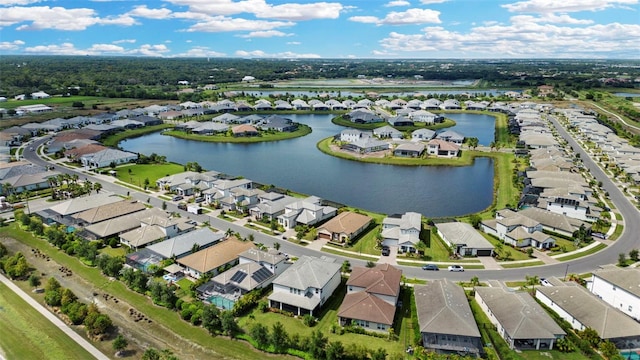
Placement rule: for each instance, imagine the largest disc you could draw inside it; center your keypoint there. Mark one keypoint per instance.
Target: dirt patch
(133, 324)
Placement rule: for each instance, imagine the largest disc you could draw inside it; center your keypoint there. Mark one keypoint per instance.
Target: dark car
(431, 267)
(386, 251)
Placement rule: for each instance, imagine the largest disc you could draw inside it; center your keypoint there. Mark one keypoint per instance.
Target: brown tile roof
(215, 256)
(84, 150)
(76, 134)
(444, 145)
(244, 128)
(110, 211)
(346, 222)
(367, 307)
(383, 279)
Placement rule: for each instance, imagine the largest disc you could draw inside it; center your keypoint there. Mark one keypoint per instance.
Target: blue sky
(434, 29)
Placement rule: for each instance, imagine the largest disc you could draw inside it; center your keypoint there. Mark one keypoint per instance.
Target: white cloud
(150, 50)
(397, 3)
(225, 24)
(125, 41)
(144, 12)
(259, 8)
(526, 36)
(201, 51)
(10, 45)
(411, 16)
(427, 2)
(265, 34)
(58, 18)
(294, 43)
(62, 49)
(553, 6)
(105, 48)
(17, 2)
(282, 55)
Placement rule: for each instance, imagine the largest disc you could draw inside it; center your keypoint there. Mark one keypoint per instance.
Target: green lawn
(580, 254)
(26, 334)
(617, 232)
(523, 264)
(118, 251)
(136, 174)
(515, 253)
(328, 317)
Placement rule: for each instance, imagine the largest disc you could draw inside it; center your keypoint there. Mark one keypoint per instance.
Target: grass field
(522, 264)
(26, 334)
(580, 254)
(137, 173)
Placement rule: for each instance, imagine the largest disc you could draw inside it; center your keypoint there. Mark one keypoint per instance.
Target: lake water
(357, 94)
(481, 126)
(626, 94)
(296, 164)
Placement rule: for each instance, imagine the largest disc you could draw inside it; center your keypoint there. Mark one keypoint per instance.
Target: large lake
(296, 164)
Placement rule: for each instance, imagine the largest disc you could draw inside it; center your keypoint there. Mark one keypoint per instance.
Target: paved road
(54, 319)
(630, 239)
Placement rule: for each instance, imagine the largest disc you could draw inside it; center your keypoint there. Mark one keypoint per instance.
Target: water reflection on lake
(297, 164)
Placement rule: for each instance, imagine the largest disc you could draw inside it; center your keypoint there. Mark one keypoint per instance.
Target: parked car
(456, 268)
(177, 198)
(386, 251)
(431, 267)
(545, 282)
(182, 206)
(198, 199)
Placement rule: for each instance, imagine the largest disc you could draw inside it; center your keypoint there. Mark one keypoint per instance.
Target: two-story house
(402, 231)
(618, 288)
(308, 211)
(306, 285)
(372, 295)
(517, 230)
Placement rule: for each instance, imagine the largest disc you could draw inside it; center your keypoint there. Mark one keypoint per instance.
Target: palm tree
(8, 189)
(492, 145)
(532, 281)
(97, 186)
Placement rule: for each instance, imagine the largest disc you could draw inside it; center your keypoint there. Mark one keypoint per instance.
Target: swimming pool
(630, 355)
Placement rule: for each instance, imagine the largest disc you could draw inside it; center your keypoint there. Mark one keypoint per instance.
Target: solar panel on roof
(238, 276)
(261, 275)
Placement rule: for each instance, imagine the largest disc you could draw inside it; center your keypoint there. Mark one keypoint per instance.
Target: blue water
(480, 126)
(297, 165)
(630, 355)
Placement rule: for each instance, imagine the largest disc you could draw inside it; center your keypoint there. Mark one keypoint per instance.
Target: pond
(297, 165)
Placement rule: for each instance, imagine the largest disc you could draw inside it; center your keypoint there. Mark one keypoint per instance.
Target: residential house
(344, 227)
(519, 319)
(582, 310)
(422, 135)
(402, 231)
(413, 150)
(107, 157)
(400, 120)
(244, 130)
(308, 211)
(442, 148)
(366, 146)
(426, 117)
(270, 205)
(450, 104)
(371, 299)
(182, 245)
(618, 288)
(352, 135)
(517, 230)
(151, 227)
(306, 285)
(278, 123)
(222, 189)
(464, 239)
(387, 132)
(108, 211)
(215, 258)
(451, 136)
(445, 320)
(272, 260)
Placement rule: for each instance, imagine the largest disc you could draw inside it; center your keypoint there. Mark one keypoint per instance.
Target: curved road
(630, 238)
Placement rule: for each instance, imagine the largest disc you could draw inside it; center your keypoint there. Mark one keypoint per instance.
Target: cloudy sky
(323, 29)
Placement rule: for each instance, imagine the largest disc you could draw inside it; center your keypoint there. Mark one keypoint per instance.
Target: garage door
(484, 252)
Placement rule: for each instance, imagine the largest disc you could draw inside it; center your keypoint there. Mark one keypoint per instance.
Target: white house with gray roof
(106, 157)
(464, 239)
(402, 231)
(308, 211)
(582, 310)
(619, 288)
(306, 285)
(182, 245)
(445, 319)
(519, 319)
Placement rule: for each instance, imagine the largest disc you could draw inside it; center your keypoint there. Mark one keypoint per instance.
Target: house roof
(444, 145)
(627, 279)
(12, 169)
(247, 276)
(260, 256)
(183, 244)
(463, 234)
(442, 308)
(308, 272)
(85, 150)
(215, 256)
(83, 203)
(519, 314)
(109, 155)
(122, 223)
(382, 279)
(368, 307)
(418, 147)
(244, 128)
(346, 222)
(109, 211)
(591, 311)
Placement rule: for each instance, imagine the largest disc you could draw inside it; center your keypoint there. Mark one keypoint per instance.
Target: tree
(279, 337)
(475, 220)
(260, 334)
(317, 344)
(276, 245)
(633, 255)
(34, 281)
(380, 354)
(622, 260)
(591, 336)
(475, 281)
(609, 350)
(346, 267)
(532, 281)
(119, 344)
(211, 319)
(97, 187)
(228, 323)
(335, 351)
(473, 142)
(151, 354)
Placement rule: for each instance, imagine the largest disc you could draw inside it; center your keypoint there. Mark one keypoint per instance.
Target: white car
(456, 268)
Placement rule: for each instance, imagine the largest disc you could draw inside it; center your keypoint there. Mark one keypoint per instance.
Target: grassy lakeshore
(114, 139)
(341, 121)
(263, 137)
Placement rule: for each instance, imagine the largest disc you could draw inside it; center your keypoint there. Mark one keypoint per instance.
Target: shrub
(309, 320)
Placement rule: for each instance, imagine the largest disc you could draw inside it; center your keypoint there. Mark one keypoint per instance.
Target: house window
(630, 308)
(614, 288)
(316, 290)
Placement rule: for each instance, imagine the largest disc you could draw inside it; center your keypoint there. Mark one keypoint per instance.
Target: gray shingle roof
(443, 308)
